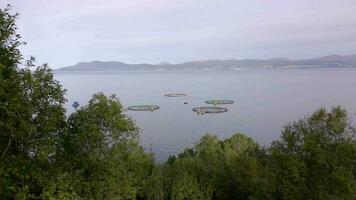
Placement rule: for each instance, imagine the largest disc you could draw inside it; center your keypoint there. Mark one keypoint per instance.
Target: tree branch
(7, 148)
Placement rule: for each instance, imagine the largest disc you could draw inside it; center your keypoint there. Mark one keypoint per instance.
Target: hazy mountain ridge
(326, 61)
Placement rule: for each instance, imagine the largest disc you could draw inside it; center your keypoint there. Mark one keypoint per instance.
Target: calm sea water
(265, 100)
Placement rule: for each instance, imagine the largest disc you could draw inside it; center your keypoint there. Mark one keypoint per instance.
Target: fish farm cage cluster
(199, 110)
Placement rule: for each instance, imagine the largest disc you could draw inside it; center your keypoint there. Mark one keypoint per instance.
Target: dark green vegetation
(94, 152)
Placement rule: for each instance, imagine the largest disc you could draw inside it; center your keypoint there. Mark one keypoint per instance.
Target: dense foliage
(214, 169)
(94, 153)
(315, 158)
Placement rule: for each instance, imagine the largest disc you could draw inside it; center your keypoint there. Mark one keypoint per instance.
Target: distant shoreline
(205, 69)
(331, 61)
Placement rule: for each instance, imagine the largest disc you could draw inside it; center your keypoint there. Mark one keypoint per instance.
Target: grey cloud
(65, 32)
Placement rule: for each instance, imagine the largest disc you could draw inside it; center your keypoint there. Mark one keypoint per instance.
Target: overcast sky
(64, 32)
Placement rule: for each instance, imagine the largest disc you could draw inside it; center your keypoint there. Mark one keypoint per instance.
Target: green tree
(315, 158)
(99, 153)
(31, 116)
(92, 154)
(213, 169)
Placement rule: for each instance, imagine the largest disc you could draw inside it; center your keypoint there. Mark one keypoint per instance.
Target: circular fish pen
(175, 95)
(143, 108)
(219, 101)
(203, 110)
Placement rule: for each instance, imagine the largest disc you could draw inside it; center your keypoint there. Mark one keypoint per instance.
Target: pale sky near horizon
(65, 32)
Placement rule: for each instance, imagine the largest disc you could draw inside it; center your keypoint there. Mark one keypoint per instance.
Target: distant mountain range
(233, 64)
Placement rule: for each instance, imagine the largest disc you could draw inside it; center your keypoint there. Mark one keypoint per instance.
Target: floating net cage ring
(143, 108)
(210, 110)
(217, 101)
(175, 95)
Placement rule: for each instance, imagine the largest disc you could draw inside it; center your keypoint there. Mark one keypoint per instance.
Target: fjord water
(265, 100)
